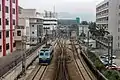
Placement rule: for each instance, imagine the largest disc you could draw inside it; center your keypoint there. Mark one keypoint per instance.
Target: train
(46, 54)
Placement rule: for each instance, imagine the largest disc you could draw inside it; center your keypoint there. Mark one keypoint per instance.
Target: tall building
(30, 28)
(108, 15)
(8, 22)
(49, 22)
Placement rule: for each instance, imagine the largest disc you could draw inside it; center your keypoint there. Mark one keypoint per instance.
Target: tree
(82, 34)
(97, 31)
(84, 23)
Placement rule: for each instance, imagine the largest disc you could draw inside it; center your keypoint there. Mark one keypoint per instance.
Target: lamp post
(23, 54)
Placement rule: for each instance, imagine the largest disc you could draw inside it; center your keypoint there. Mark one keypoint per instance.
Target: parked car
(112, 67)
(106, 55)
(102, 56)
(105, 62)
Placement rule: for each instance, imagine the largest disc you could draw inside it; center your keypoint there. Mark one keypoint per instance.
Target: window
(32, 25)
(46, 54)
(0, 7)
(0, 21)
(33, 40)
(13, 22)
(18, 33)
(118, 44)
(7, 46)
(14, 44)
(118, 37)
(7, 33)
(13, 1)
(118, 29)
(13, 33)
(0, 48)
(13, 11)
(7, 9)
(32, 32)
(7, 22)
(0, 35)
(41, 54)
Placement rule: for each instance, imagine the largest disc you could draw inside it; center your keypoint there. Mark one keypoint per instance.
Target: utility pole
(87, 43)
(110, 49)
(46, 35)
(108, 52)
(23, 54)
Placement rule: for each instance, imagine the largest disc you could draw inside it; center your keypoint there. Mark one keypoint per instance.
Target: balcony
(102, 22)
(102, 16)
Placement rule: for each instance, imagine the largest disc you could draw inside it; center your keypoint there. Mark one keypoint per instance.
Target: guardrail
(96, 72)
(4, 70)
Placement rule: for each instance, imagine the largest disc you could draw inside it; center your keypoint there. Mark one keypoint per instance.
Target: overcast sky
(85, 9)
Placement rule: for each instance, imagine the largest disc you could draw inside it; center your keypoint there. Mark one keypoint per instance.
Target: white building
(108, 15)
(84, 29)
(8, 22)
(30, 27)
(49, 21)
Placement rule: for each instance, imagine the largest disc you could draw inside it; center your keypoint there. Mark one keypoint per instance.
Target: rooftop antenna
(54, 11)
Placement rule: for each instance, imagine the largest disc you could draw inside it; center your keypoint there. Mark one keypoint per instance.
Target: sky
(85, 9)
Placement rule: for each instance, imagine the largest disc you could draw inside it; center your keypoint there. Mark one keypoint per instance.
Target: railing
(96, 72)
(4, 69)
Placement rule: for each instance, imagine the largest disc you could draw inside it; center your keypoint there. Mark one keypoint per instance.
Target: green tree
(84, 23)
(82, 34)
(97, 31)
(112, 75)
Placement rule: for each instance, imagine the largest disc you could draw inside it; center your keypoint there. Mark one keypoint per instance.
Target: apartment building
(8, 22)
(49, 22)
(108, 15)
(30, 28)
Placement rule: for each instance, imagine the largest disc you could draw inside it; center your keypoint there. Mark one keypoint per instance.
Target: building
(108, 15)
(49, 22)
(83, 29)
(67, 22)
(8, 22)
(30, 28)
(69, 25)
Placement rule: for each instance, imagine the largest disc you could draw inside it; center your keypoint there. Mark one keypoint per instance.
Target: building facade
(8, 22)
(108, 15)
(30, 28)
(49, 22)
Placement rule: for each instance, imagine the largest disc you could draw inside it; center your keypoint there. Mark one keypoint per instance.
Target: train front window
(46, 54)
(41, 54)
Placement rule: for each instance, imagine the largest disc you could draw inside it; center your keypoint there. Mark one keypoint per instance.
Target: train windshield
(46, 54)
(41, 54)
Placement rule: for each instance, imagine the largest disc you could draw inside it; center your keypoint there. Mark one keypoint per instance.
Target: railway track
(62, 73)
(38, 73)
(83, 69)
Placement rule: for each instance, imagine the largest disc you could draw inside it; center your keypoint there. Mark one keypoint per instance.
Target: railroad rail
(84, 71)
(38, 73)
(15, 60)
(62, 73)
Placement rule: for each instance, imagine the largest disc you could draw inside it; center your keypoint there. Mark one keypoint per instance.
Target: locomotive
(46, 54)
